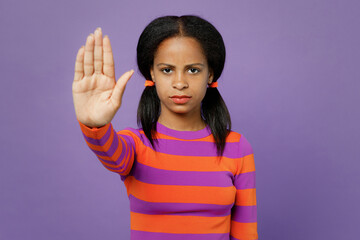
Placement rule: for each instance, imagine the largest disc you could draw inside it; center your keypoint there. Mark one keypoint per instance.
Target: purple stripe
(180, 209)
(103, 140)
(152, 175)
(194, 148)
(183, 134)
(123, 153)
(137, 235)
(128, 131)
(123, 177)
(190, 148)
(124, 166)
(244, 147)
(232, 238)
(245, 180)
(130, 151)
(244, 214)
(112, 149)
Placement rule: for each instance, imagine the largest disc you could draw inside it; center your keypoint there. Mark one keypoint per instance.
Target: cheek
(203, 94)
(161, 91)
(202, 91)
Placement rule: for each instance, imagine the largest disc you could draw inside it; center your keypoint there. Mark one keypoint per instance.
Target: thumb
(120, 87)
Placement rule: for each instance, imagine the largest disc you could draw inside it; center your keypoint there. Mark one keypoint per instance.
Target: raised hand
(96, 94)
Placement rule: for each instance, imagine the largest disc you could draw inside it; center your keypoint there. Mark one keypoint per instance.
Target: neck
(182, 122)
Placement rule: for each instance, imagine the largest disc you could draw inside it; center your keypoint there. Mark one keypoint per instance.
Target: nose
(180, 82)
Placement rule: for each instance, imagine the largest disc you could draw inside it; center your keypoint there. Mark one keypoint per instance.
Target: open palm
(96, 94)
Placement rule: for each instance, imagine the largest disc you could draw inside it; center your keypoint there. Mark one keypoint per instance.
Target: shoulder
(130, 131)
(137, 134)
(244, 146)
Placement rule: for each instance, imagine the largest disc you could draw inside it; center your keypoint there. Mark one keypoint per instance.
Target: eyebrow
(189, 65)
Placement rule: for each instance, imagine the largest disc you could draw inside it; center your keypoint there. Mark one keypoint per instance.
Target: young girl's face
(181, 75)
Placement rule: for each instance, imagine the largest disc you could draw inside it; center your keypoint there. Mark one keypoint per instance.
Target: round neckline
(183, 134)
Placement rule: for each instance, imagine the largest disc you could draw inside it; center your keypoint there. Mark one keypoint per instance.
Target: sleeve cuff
(94, 132)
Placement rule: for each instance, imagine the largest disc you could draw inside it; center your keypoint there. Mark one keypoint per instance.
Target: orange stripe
(179, 224)
(246, 231)
(103, 148)
(121, 164)
(131, 159)
(96, 133)
(246, 197)
(247, 164)
(128, 133)
(117, 152)
(115, 156)
(127, 183)
(163, 136)
(232, 137)
(186, 163)
(181, 194)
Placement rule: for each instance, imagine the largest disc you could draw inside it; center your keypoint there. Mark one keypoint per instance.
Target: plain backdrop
(291, 83)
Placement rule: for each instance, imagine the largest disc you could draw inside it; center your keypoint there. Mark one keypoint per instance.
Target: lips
(180, 99)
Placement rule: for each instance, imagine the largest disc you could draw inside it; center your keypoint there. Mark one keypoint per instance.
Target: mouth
(180, 99)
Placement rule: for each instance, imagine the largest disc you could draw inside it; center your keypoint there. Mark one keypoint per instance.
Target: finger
(120, 87)
(109, 69)
(79, 64)
(89, 56)
(98, 51)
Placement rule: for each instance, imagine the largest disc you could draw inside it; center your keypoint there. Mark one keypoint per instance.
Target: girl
(187, 175)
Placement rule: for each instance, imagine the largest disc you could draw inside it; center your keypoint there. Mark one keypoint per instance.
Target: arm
(97, 97)
(115, 151)
(244, 212)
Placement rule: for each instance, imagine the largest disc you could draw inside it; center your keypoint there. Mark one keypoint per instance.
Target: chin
(181, 109)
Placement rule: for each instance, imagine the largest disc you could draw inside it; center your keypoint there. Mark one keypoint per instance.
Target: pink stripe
(188, 148)
(244, 214)
(101, 141)
(180, 209)
(195, 148)
(152, 175)
(128, 154)
(245, 180)
(232, 238)
(183, 134)
(111, 150)
(245, 147)
(127, 144)
(136, 235)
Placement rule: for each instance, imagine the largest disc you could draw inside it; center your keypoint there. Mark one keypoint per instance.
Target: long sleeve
(114, 150)
(244, 212)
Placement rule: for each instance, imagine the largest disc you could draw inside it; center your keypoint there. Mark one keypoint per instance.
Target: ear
(152, 74)
(211, 77)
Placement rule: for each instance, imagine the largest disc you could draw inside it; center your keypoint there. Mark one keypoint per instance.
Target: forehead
(180, 49)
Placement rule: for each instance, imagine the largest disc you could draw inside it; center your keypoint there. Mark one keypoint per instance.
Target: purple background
(291, 82)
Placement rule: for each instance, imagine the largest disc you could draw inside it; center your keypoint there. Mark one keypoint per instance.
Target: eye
(166, 70)
(194, 70)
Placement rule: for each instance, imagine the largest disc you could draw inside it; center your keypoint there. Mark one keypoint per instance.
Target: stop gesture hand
(96, 94)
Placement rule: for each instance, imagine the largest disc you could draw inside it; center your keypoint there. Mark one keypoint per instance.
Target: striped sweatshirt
(179, 189)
